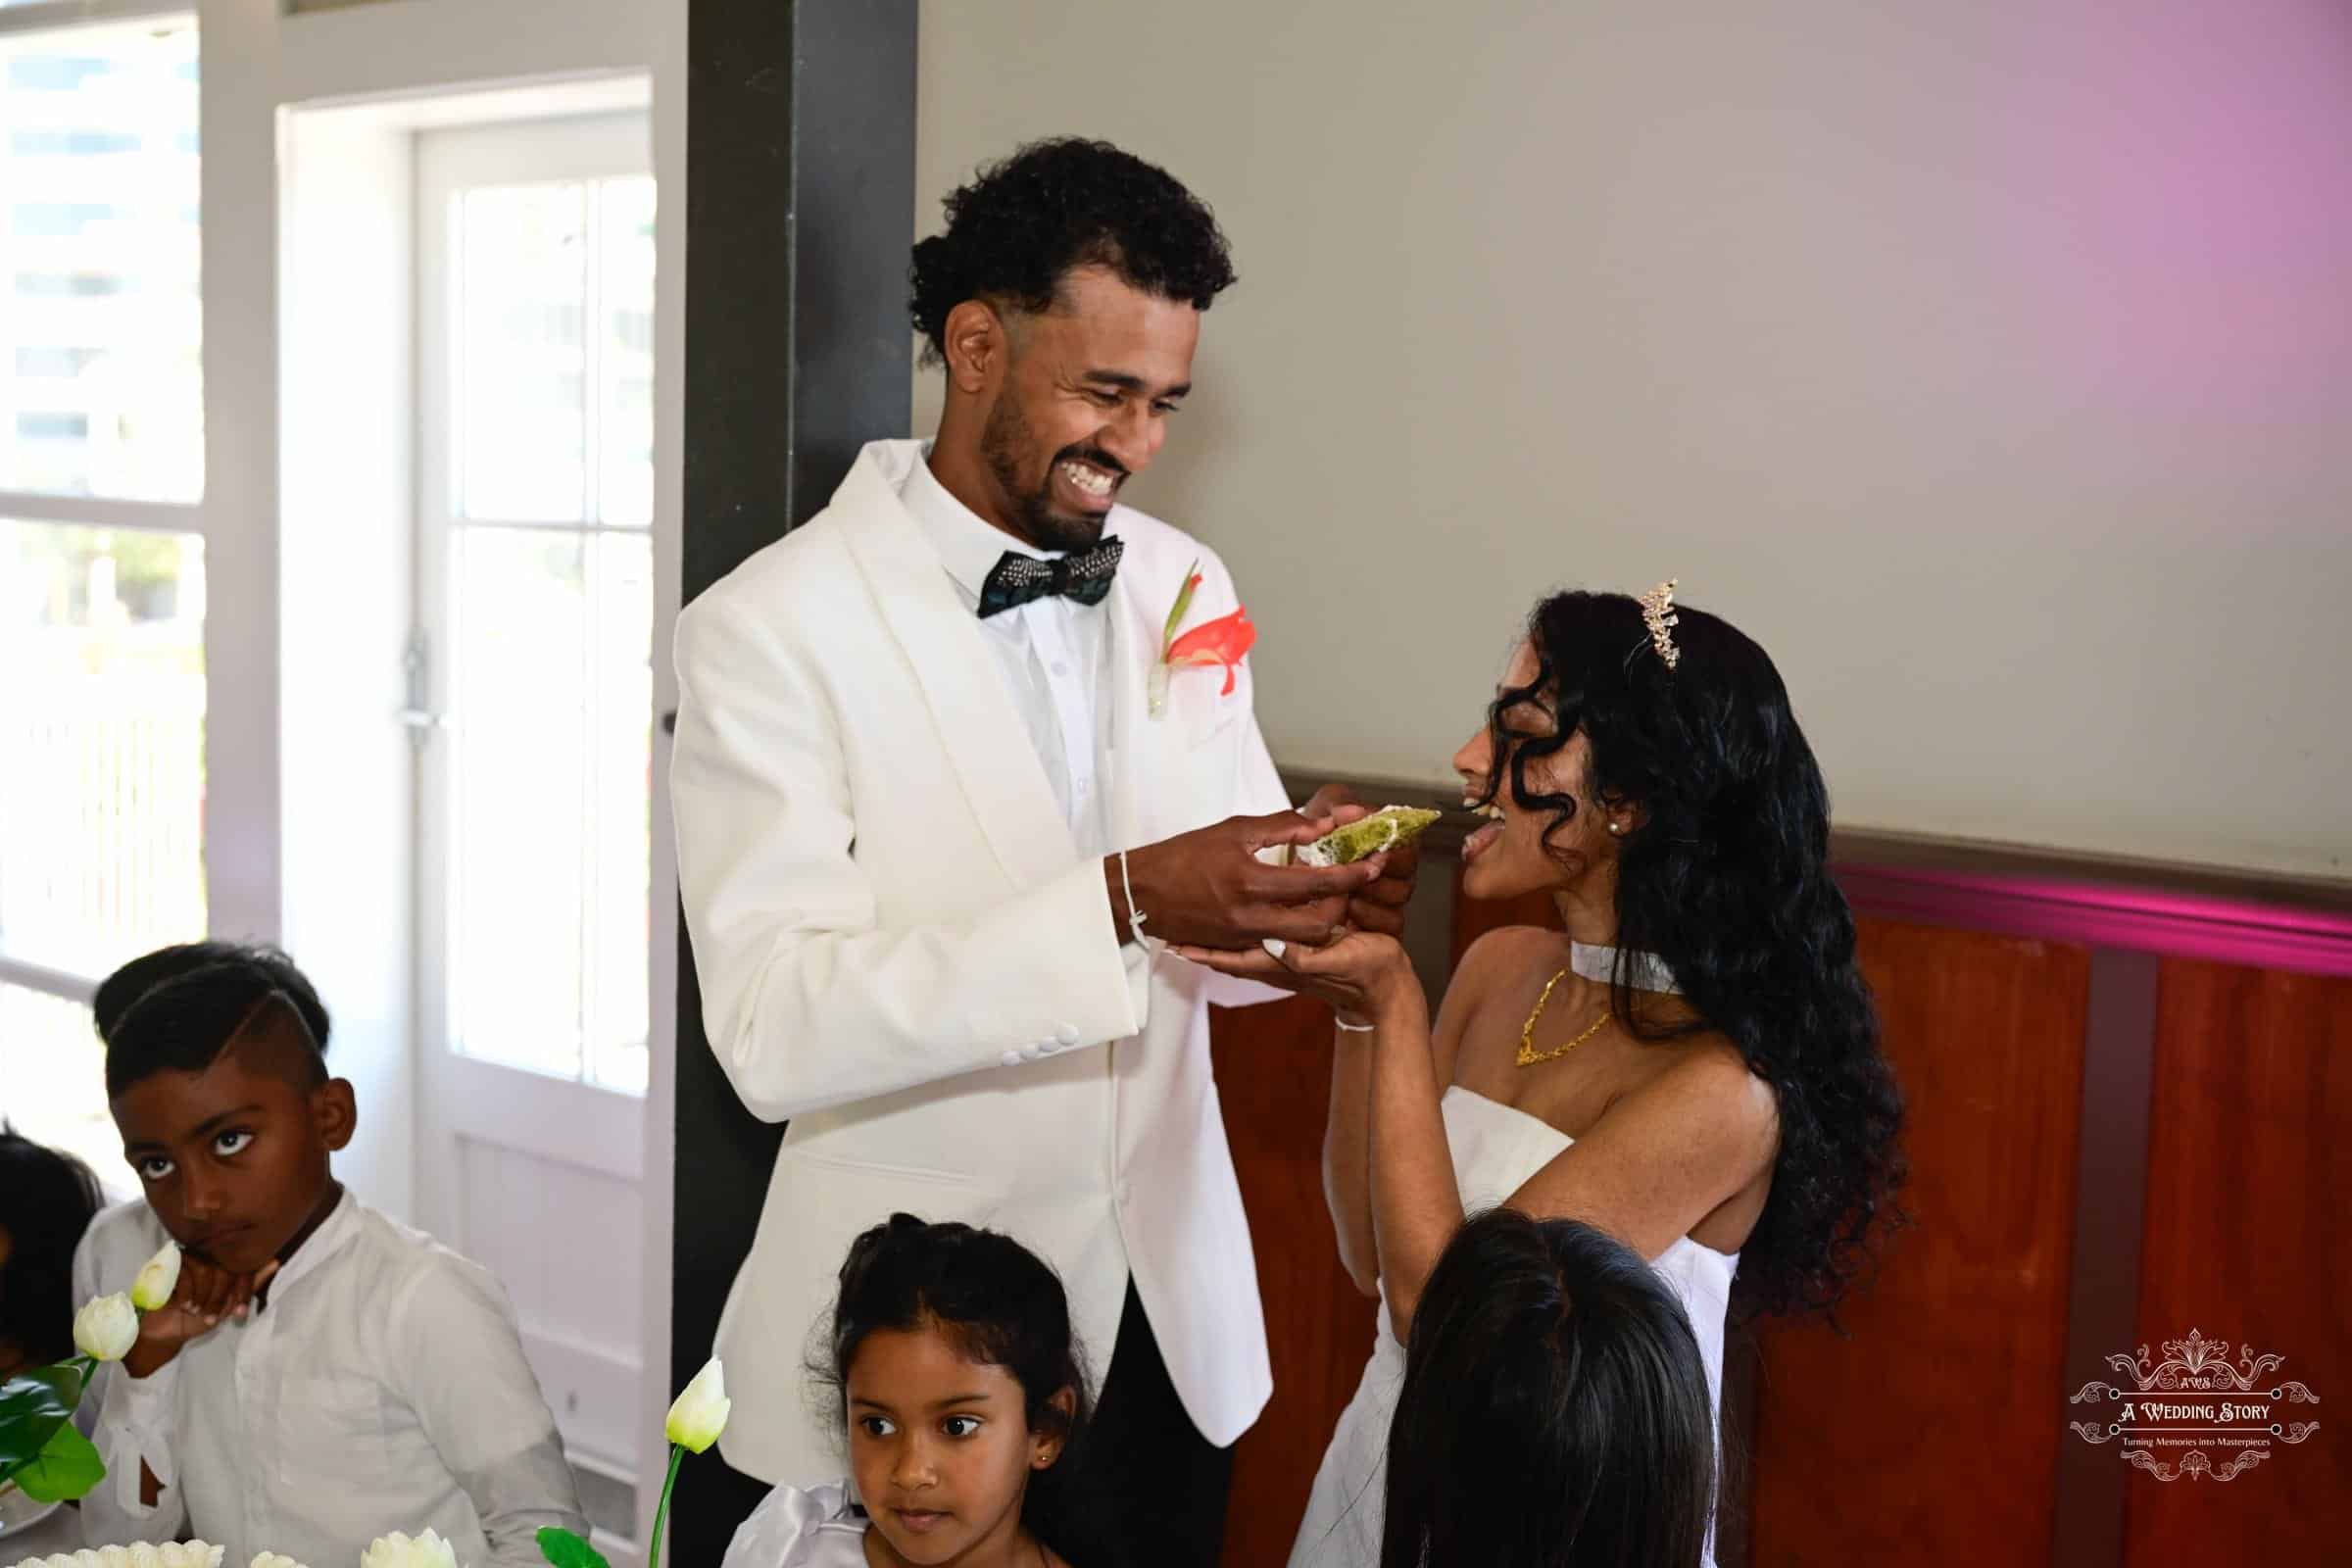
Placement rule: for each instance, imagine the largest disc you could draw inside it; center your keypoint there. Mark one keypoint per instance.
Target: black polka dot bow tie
(1017, 580)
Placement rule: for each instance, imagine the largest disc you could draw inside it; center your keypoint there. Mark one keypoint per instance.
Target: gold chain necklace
(1529, 1055)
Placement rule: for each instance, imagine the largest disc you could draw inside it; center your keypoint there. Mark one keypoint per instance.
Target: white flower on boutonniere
(1220, 643)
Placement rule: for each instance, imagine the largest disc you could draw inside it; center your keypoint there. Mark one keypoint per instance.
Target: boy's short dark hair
(186, 1023)
(119, 991)
(47, 1201)
(1065, 202)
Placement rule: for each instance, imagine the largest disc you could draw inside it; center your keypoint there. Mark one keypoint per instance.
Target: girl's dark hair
(1555, 1409)
(47, 1201)
(1065, 202)
(1726, 878)
(999, 1305)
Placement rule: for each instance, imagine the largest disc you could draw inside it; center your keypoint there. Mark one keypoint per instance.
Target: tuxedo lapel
(985, 739)
(1125, 689)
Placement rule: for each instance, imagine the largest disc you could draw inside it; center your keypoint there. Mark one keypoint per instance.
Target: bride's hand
(1363, 974)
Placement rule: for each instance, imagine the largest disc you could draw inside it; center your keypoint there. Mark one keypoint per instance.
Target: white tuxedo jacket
(901, 951)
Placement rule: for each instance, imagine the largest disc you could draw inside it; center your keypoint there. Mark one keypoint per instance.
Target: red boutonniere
(1223, 643)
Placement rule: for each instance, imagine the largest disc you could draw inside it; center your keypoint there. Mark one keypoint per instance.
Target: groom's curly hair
(1726, 879)
(1023, 224)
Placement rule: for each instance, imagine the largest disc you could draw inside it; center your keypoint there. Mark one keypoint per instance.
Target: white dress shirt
(795, 1528)
(1052, 652)
(383, 1388)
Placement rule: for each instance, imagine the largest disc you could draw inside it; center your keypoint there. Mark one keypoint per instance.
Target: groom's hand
(1380, 907)
(1208, 888)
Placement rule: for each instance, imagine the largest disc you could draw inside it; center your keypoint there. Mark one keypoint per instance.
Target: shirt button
(1067, 1034)
(1011, 1059)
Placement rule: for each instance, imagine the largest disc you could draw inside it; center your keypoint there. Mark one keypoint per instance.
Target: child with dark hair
(321, 1376)
(1555, 1411)
(142, 974)
(47, 1201)
(952, 1372)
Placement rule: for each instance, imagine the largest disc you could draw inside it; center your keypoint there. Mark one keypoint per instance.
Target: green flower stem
(677, 1456)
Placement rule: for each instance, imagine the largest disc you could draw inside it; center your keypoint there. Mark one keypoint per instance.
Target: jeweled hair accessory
(1657, 610)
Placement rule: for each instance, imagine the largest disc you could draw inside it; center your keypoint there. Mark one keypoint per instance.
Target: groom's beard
(1003, 441)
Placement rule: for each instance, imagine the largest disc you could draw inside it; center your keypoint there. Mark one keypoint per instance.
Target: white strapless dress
(1496, 1148)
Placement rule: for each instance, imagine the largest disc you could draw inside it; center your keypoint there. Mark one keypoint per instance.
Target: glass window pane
(520, 780)
(101, 388)
(521, 385)
(57, 1082)
(626, 351)
(552, 799)
(102, 725)
(619, 829)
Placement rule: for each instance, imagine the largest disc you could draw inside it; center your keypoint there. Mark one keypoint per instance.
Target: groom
(936, 808)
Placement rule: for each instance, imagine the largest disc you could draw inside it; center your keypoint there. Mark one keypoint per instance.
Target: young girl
(956, 1384)
(1555, 1409)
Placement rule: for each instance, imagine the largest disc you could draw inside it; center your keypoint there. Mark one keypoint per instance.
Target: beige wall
(1992, 364)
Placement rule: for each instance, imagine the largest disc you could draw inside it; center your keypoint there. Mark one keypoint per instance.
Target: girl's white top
(794, 1528)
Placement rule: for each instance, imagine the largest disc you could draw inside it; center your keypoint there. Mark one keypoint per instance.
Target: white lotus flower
(106, 1326)
(158, 1277)
(396, 1550)
(699, 1414)
(138, 1554)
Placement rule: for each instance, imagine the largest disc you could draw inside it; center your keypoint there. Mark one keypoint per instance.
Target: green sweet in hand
(1384, 829)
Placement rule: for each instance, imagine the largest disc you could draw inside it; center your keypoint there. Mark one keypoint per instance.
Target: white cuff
(134, 1427)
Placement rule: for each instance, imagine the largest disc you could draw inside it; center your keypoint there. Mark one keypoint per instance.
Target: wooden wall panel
(1474, 918)
(1930, 1436)
(1273, 1066)
(2248, 1239)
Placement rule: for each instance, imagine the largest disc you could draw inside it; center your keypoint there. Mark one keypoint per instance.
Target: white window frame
(98, 512)
(529, 151)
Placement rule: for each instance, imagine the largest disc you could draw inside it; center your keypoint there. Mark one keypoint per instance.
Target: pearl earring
(1616, 829)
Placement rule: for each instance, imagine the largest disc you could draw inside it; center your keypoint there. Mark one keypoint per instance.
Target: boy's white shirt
(903, 949)
(383, 1388)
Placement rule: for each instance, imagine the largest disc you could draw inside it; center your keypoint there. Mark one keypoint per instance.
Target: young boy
(47, 1201)
(322, 1374)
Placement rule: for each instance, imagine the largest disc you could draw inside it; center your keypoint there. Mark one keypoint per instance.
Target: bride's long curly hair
(1726, 878)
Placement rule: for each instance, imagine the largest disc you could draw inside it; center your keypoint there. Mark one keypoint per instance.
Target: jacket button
(1011, 1059)
(1067, 1034)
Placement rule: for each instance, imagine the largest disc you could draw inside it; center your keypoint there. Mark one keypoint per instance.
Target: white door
(531, 705)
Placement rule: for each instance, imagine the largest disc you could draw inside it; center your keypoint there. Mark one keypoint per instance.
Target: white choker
(1646, 972)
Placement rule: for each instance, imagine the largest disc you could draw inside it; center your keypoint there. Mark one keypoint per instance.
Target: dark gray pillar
(800, 215)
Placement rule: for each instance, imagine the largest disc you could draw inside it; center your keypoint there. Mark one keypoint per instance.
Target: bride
(1690, 1063)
